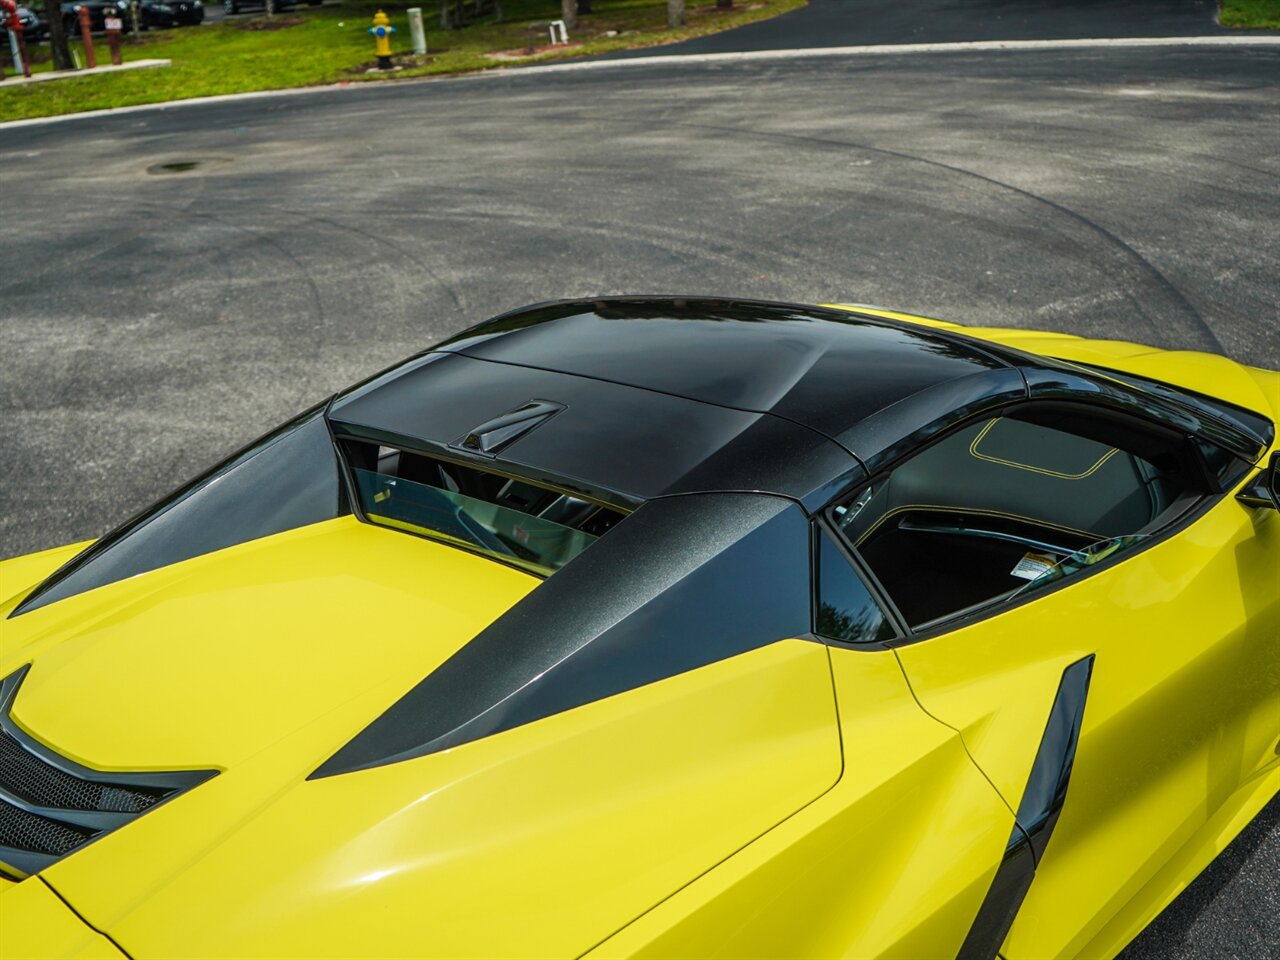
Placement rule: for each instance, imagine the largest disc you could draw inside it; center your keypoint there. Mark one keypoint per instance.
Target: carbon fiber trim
(681, 583)
(1038, 812)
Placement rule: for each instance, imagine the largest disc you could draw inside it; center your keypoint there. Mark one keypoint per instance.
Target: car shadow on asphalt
(1168, 933)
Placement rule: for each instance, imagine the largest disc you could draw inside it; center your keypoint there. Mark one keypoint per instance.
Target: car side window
(1011, 503)
(845, 608)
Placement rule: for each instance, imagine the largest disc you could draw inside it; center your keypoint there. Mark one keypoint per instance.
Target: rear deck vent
(493, 435)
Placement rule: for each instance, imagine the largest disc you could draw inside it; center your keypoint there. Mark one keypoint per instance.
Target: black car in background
(151, 13)
(33, 28)
(183, 13)
(232, 7)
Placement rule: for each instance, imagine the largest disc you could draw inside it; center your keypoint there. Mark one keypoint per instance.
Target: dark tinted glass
(495, 530)
(289, 479)
(846, 609)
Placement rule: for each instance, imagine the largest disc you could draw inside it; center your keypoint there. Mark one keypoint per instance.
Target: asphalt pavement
(153, 321)
(848, 23)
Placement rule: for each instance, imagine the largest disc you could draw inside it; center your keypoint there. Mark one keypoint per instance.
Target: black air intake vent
(35, 781)
(27, 831)
(50, 806)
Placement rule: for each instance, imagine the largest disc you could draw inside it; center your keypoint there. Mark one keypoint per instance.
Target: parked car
(151, 13)
(665, 628)
(233, 7)
(33, 28)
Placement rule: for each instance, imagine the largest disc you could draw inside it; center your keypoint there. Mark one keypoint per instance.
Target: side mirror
(1264, 491)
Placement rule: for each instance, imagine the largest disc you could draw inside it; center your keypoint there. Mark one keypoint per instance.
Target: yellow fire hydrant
(382, 31)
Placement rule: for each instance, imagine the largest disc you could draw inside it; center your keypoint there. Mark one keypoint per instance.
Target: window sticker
(1032, 566)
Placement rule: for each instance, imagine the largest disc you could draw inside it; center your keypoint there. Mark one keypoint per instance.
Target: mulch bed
(403, 61)
(519, 53)
(270, 23)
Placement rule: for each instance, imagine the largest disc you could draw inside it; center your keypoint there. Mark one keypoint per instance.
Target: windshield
(504, 533)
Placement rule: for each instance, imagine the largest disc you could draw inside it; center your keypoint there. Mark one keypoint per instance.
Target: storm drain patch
(171, 167)
(177, 166)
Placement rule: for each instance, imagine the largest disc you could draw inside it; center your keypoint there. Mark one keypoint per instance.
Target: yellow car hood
(262, 660)
(203, 664)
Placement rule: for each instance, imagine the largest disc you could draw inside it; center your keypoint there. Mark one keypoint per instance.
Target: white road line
(808, 53)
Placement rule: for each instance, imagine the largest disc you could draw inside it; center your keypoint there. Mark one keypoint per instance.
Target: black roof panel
(826, 369)
(663, 396)
(616, 443)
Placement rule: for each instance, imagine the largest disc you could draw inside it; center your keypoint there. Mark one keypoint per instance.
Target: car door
(1139, 675)
(893, 861)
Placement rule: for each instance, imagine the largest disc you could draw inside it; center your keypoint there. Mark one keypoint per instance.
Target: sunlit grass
(1259, 14)
(329, 44)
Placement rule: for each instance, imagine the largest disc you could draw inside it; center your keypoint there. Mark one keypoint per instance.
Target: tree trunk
(57, 37)
(569, 13)
(675, 13)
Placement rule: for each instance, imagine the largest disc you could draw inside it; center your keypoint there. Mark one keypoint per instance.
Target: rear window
(536, 528)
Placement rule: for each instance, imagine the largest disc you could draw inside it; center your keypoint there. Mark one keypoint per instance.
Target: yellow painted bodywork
(241, 647)
(1181, 723)
(1182, 728)
(19, 575)
(892, 862)
(798, 800)
(36, 925)
(262, 659)
(536, 842)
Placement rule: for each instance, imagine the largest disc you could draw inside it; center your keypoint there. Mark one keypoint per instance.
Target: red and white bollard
(87, 35)
(113, 26)
(9, 19)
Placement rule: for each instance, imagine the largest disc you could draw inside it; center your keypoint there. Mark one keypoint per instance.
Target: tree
(569, 13)
(675, 13)
(57, 36)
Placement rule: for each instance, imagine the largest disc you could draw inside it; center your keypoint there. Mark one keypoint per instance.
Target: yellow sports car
(646, 627)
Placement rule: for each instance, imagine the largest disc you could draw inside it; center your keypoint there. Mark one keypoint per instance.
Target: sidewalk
(10, 81)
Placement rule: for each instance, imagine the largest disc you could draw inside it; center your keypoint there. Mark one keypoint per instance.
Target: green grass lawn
(318, 45)
(1260, 14)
